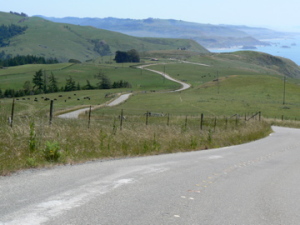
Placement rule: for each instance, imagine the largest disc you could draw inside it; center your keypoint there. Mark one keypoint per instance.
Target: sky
(275, 14)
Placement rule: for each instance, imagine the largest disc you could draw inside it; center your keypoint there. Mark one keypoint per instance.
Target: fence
(149, 117)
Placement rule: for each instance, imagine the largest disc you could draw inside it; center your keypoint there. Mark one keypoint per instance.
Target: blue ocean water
(287, 48)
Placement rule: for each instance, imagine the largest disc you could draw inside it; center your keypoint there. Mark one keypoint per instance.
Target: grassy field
(225, 92)
(15, 77)
(224, 87)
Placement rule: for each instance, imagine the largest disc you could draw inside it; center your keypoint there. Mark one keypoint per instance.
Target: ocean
(287, 48)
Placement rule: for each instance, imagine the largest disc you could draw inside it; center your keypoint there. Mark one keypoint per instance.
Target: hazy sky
(282, 15)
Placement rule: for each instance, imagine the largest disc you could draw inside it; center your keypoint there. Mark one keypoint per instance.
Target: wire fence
(45, 112)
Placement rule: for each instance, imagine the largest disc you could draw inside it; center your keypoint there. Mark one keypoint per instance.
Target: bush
(52, 151)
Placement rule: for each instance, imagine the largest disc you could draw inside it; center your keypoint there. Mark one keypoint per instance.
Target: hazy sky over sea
(275, 14)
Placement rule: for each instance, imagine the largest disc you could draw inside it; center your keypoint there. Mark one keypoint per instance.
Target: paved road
(254, 183)
(184, 85)
(75, 114)
(119, 100)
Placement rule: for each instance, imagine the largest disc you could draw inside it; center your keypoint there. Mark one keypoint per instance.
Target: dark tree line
(19, 14)
(44, 83)
(129, 56)
(22, 60)
(7, 32)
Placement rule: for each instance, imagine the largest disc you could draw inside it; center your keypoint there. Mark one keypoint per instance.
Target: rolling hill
(208, 35)
(65, 41)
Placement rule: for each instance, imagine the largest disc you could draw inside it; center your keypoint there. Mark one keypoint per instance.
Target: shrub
(52, 151)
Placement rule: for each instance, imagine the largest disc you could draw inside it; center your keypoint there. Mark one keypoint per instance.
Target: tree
(104, 81)
(52, 87)
(121, 57)
(133, 55)
(70, 85)
(27, 87)
(38, 80)
(121, 84)
(101, 47)
(88, 86)
(129, 56)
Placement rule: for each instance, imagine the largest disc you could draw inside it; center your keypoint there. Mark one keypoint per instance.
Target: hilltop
(208, 35)
(65, 41)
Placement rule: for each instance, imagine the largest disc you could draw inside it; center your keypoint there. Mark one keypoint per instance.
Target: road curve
(184, 85)
(253, 183)
(75, 114)
(119, 100)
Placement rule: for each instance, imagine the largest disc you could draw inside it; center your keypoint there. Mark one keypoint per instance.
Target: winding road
(75, 114)
(253, 183)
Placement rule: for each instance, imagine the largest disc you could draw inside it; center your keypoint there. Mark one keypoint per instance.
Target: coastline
(283, 47)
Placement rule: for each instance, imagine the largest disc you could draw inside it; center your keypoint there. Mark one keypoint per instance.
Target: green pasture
(27, 106)
(243, 95)
(224, 88)
(15, 77)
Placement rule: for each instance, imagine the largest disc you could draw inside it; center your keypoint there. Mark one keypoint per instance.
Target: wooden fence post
(12, 113)
(215, 123)
(51, 112)
(121, 119)
(185, 123)
(201, 121)
(90, 112)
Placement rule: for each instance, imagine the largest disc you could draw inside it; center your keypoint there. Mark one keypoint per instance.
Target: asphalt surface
(119, 100)
(74, 114)
(254, 183)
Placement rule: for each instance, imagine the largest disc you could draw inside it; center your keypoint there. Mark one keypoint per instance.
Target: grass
(141, 80)
(232, 95)
(241, 89)
(33, 143)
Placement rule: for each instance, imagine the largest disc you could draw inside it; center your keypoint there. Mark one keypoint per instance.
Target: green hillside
(65, 41)
(258, 68)
(208, 35)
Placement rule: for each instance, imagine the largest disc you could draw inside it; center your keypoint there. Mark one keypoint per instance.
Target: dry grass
(23, 146)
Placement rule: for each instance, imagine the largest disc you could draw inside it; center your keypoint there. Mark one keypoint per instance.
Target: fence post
(236, 120)
(90, 112)
(215, 123)
(121, 119)
(12, 113)
(259, 115)
(51, 112)
(147, 115)
(185, 123)
(201, 121)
